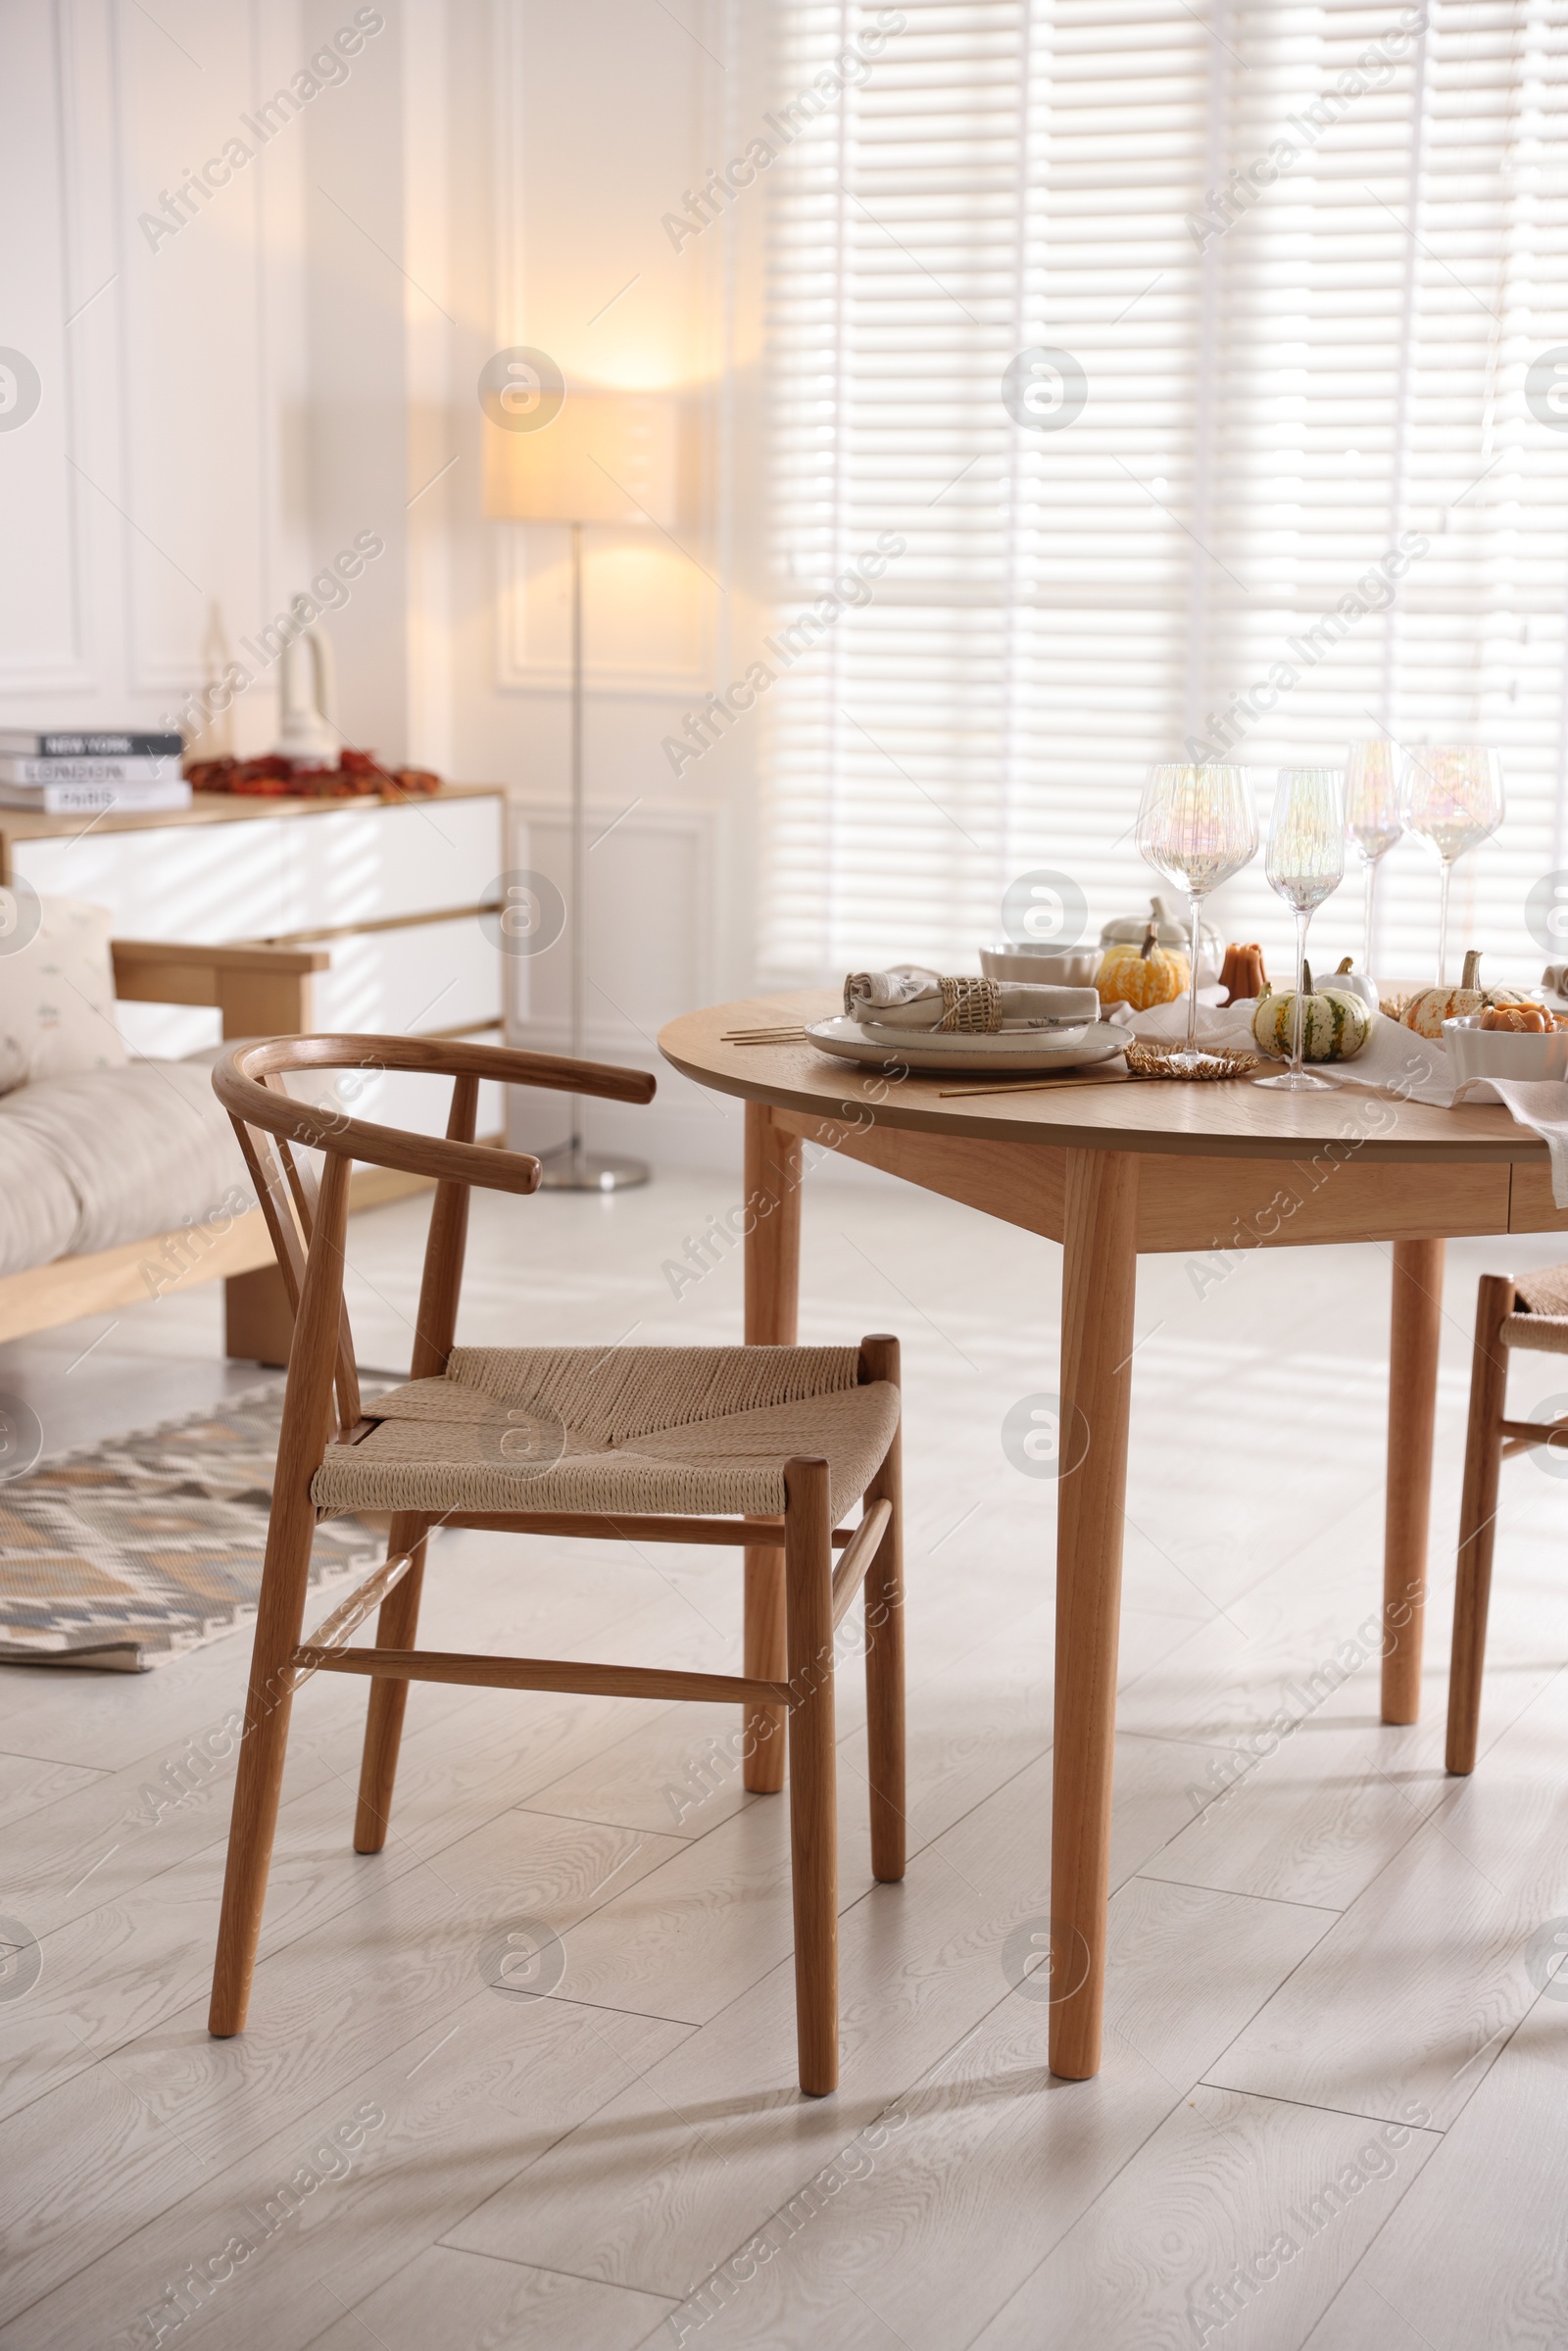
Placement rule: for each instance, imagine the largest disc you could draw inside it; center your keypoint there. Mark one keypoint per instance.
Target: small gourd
(1335, 1024)
(1141, 976)
(1427, 1011)
(1356, 982)
(1526, 1018)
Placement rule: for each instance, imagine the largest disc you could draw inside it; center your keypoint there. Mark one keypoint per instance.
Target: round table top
(1085, 1111)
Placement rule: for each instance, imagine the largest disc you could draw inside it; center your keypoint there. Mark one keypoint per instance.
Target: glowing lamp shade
(610, 457)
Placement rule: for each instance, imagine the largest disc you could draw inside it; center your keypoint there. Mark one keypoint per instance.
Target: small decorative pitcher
(308, 701)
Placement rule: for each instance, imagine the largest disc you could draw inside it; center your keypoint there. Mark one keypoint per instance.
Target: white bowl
(1478, 1052)
(1041, 964)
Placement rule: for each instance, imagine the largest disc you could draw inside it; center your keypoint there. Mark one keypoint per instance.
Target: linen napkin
(908, 997)
(1397, 1061)
(1541, 1103)
(1221, 1028)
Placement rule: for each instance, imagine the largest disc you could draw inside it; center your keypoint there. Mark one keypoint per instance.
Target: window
(1296, 474)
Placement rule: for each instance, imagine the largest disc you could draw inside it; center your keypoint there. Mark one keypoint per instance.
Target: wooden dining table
(1111, 1166)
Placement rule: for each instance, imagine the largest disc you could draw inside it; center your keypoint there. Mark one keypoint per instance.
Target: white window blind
(1272, 408)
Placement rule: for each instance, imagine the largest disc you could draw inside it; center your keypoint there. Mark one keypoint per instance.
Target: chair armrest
(260, 991)
(237, 1081)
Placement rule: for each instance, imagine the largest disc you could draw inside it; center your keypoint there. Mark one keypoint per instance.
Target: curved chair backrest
(271, 1124)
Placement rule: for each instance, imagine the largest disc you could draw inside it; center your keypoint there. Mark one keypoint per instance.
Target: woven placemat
(1160, 1062)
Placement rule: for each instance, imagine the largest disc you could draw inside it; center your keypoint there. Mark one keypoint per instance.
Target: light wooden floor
(1334, 2052)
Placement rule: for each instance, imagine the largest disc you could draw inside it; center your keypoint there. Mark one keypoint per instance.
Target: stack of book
(63, 773)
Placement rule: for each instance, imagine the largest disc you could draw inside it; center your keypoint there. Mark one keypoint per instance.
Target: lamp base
(568, 1167)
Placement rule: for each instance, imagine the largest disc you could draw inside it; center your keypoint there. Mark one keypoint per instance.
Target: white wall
(299, 364)
(155, 499)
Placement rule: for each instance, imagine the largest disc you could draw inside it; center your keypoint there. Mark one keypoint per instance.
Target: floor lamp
(611, 459)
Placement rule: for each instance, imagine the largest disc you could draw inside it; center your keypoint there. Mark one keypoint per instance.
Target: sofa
(120, 1176)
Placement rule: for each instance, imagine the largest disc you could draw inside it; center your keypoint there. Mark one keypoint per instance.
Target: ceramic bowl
(1041, 964)
(1478, 1052)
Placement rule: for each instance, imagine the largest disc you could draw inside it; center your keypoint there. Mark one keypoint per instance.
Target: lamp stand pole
(569, 1167)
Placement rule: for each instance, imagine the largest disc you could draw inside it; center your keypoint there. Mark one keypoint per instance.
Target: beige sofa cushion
(57, 993)
(39, 1204)
(112, 1155)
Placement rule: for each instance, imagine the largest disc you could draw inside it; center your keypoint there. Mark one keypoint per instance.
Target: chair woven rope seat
(632, 1429)
(760, 1447)
(1539, 1319)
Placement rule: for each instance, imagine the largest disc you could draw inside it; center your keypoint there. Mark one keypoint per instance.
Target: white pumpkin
(1356, 982)
(1171, 929)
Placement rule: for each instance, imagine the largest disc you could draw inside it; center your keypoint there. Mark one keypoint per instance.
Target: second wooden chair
(1531, 1312)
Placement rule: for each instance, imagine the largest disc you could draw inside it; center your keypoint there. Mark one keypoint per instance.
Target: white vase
(308, 701)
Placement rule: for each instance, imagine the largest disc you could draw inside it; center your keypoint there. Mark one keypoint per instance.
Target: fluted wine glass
(1305, 865)
(1374, 815)
(1197, 826)
(1453, 798)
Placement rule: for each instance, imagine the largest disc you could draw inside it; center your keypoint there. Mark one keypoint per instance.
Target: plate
(926, 1048)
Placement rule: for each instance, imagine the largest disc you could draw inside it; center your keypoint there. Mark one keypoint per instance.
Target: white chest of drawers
(392, 891)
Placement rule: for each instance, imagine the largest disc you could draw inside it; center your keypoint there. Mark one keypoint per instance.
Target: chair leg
(884, 1642)
(396, 1624)
(813, 1803)
(1478, 1518)
(260, 1778)
(281, 1613)
(766, 1653)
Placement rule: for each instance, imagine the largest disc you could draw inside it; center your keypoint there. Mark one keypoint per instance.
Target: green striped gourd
(1335, 1024)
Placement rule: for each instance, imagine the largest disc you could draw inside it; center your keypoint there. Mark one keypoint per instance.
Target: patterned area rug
(120, 1556)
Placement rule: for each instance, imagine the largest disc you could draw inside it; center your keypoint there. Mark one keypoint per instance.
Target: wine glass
(1305, 865)
(1453, 798)
(1374, 815)
(1197, 826)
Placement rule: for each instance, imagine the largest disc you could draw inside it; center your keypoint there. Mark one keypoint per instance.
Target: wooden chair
(1531, 1312)
(760, 1447)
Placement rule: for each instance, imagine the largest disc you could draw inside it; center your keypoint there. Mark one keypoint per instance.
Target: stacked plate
(1012, 1052)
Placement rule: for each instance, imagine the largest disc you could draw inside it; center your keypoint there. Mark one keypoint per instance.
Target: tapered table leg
(1417, 1320)
(773, 1303)
(1098, 1279)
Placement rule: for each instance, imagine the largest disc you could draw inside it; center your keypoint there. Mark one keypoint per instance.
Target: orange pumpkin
(1141, 976)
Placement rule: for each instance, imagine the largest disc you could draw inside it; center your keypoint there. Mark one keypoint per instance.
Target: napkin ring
(971, 1008)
